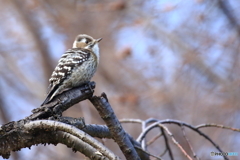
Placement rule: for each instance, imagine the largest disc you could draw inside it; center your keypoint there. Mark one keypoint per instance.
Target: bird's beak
(98, 40)
(95, 42)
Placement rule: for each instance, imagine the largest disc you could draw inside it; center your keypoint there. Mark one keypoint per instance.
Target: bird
(75, 67)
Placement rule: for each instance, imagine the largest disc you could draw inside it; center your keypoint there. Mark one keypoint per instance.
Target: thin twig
(164, 152)
(167, 144)
(188, 142)
(157, 157)
(131, 121)
(154, 139)
(217, 125)
(179, 123)
(143, 143)
(157, 124)
(175, 142)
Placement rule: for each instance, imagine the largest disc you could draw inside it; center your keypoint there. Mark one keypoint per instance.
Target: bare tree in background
(166, 60)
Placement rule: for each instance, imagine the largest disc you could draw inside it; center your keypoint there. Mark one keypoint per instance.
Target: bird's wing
(70, 59)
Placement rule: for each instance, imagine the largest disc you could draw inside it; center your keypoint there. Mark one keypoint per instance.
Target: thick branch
(46, 131)
(63, 101)
(53, 111)
(120, 136)
(78, 145)
(101, 131)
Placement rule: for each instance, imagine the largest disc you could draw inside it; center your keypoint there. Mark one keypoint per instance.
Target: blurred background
(163, 59)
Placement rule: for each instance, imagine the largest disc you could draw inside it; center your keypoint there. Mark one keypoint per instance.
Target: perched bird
(75, 67)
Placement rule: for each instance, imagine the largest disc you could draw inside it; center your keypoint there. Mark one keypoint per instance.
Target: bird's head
(87, 42)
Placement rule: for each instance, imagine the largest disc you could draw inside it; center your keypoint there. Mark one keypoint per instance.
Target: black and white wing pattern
(70, 60)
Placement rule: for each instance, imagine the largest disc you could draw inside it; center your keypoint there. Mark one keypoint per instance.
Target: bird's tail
(50, 95)
(45, 101)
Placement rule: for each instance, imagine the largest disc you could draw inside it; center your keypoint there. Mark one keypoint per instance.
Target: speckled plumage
(76, 66)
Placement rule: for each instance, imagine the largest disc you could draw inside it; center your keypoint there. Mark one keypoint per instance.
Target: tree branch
(20, 135)
(14, 133)
(63, 101)
(121, 138)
